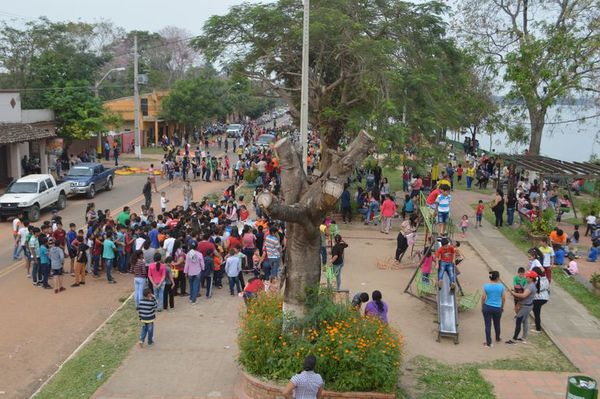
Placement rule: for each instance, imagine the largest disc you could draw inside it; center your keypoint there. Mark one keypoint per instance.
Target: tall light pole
(96, 87)
(304, 91)
(136, 101)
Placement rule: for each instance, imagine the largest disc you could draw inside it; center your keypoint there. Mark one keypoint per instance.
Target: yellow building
(152, 127)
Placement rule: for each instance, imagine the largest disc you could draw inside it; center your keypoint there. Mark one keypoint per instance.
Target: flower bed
(354, 353)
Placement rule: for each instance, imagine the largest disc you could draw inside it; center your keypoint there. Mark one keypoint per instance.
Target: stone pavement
(568, 324)
(194, 355)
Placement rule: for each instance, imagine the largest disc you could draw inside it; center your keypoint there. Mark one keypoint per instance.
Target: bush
(250, 175)
(354, 353)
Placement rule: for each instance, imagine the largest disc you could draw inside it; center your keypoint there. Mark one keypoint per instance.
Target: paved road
(39, 329)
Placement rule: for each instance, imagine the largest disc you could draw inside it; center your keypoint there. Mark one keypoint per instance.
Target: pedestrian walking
(526, 306)
(147, 191)
(194, 264)
(337, 259)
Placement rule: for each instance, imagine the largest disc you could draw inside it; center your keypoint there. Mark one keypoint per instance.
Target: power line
(68, 88)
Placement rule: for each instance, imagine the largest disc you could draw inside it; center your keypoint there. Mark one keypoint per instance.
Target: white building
(22, 133)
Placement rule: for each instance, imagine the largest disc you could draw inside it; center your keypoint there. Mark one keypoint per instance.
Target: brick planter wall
(249, 387)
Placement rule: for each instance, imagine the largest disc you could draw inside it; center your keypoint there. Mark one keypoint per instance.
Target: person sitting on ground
(559, 256)
(558, 237)
(572, 268)
(359, 299)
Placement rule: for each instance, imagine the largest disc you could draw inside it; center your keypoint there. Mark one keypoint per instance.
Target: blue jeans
(194, 287)
(323, 255)
(122, 262)
(17, 251)
(147, 329)
(373, 209)
(96, 263)
(45, 267)
(139, 283)
(491, 313)
(510, 216)
(447, 267)
(469, 182)
(234, 281)
(274, 266)
(108, 264)
(338, 275)
(159, 295)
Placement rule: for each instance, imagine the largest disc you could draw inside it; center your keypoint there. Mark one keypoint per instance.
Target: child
(147, 313)
(548, 259)
(426, 266)
(572, 268)
(533, 254)
(479, 213)
(256, 262)
(559, 256)
(163, 202)
(358, 299)
(519, 283)
(464, 225)
(446, 257)
(459, 255)
(57, 260)
(575, 238)
(81, 262)
(593, 254)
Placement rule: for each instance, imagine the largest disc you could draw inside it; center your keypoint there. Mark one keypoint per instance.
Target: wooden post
(156, 132)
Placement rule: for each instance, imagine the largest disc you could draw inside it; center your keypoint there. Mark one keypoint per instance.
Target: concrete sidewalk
(568, 324)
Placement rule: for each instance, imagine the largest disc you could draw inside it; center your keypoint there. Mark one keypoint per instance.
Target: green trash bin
(582, 387)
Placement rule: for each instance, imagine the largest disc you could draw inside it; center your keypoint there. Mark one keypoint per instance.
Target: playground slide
(447, 311)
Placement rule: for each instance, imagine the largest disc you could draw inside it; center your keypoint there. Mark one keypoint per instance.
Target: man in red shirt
(205, 246)
(446, 257)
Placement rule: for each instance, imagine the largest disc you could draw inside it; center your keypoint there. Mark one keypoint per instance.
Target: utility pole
(304, 91)
(136, 101)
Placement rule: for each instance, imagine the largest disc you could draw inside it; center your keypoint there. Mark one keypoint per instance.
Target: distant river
(575, 141)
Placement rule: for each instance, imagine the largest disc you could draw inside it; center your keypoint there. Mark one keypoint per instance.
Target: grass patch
(436, 380)
(545, 357)
(81, 376)
(584, 296)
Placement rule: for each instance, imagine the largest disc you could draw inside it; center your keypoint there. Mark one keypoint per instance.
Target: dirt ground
(415, 319)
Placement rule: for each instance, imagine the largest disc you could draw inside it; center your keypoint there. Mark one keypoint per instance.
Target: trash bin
(582, 387)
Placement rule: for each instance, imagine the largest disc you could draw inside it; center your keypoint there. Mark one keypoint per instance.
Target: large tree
(361, 57)
(546, 50)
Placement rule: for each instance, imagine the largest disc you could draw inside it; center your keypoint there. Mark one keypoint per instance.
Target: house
(24, 135)
(152, 126)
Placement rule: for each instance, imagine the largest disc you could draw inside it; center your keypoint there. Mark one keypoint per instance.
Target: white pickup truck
(32, 193)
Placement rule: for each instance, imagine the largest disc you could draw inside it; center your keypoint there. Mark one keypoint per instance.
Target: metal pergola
(553, 168)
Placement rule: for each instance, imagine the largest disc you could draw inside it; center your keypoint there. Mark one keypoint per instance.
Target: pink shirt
(427, 263)
(388, 208)
(248, 240)
(155, 275)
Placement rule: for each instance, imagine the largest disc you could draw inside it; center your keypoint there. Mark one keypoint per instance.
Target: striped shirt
(147, 310)
(272, 247)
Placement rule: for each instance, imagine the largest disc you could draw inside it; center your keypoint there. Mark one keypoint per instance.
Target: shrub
(353, 353)
(250, 175)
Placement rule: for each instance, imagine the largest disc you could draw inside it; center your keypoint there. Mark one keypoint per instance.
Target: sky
(151, 15)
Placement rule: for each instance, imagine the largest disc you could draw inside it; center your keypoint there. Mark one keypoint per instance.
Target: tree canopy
(369, 61)
(545, 50)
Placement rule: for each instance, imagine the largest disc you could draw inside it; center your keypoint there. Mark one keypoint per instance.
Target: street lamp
(304, 90)
(96, 87)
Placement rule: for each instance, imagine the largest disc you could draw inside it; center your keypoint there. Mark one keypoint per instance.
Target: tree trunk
(537, 119)
(303, 207)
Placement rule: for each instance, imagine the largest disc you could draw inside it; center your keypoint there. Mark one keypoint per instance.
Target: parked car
(265, 140)
(234, 130)
(32, 193)
(88, 178)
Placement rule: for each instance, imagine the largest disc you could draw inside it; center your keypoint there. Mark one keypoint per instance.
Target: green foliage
(595, 279)
(590, 207)
(250, 175)
(372, 64)
(354, 353)
(543, 225)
